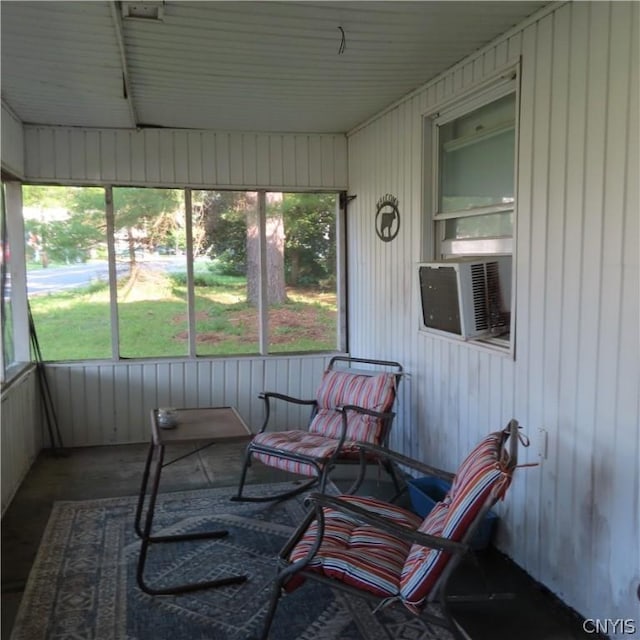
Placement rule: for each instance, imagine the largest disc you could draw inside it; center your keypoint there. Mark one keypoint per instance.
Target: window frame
(436, 246)
(340, 247)
(505, 85)
(21, 345)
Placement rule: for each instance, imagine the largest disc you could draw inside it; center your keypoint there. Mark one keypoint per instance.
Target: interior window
(467, 291)
(475, 181)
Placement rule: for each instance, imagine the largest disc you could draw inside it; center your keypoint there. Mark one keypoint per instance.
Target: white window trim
(504, 83)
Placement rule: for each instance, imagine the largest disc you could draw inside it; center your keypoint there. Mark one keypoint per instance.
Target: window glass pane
(477, 154)
(67, 271)
(149, 241)
(8, 350)
(226, 271)
(301, 267)
(491, 225)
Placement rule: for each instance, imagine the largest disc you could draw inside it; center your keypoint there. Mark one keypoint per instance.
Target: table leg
(148, 539)
(143, 492)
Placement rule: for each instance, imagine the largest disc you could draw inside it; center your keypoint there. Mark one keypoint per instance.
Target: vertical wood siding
(180, 158)
(12, 140)
(573, 521)
(21, 433)
(109, 403)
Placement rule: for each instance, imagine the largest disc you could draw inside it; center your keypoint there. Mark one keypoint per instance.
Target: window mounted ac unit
(469, 297)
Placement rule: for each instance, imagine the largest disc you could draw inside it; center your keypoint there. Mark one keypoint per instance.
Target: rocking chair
(380, 551)
(352, 405)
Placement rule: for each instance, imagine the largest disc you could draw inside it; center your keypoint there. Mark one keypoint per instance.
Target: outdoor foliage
(77, 227)
(148, 218)
(309, 228)
(69, 224)
(310, 247)
(223, 218)
(75, 325)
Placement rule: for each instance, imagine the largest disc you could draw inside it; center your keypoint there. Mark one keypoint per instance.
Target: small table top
(212, 423)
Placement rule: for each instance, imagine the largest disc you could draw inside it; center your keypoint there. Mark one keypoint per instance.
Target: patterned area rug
(83, 585)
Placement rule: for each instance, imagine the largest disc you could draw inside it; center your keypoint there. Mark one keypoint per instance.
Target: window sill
(14, 374)
(494, 346)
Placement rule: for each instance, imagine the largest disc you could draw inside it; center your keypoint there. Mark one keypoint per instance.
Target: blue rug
(83, 587)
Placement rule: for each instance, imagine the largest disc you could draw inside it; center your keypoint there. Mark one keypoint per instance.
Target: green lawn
(153, 320)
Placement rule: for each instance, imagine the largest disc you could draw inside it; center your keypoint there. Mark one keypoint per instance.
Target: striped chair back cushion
(481, 478)
(338, 388)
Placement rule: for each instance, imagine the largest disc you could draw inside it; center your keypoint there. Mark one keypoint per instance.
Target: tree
(146, 216)
(310, 248)
(64, 223)
(300, 230)
(274, 243)
(143, 217)
(72, 239)
(220, 224)
(275, 237)
(231, 223)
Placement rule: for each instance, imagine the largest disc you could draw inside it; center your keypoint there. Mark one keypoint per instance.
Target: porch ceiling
(251, 66)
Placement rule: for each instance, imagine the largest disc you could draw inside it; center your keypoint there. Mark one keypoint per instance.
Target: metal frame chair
(428, 552)
(353, 403)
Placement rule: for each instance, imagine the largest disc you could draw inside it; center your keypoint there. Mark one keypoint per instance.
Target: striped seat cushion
(358, 554)
(481, 477)
(298, 442)
(339, 388)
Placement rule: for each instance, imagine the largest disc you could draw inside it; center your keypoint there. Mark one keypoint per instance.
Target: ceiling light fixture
(153, 10)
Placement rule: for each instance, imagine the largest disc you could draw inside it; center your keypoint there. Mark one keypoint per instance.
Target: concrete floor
(100, 472)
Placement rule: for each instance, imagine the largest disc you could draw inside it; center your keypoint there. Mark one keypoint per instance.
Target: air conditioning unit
(468, 297)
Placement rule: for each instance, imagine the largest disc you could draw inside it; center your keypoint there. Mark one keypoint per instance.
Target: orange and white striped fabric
(480, 477)
(299, 442)
(337, 389)
(358, 554)
(387, 566)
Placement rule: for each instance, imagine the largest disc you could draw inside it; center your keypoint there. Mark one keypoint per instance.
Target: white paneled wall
(160, 157)
(109, 403)
(21, 432)
(12, 141)
(573, 521)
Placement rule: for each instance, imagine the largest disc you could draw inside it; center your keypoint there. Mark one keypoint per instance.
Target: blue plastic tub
(425, 492)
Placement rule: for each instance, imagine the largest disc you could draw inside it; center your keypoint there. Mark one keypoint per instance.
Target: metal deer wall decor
(387, 218)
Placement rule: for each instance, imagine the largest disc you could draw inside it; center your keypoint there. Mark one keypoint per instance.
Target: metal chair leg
(271, 611)
(247, 463)
(279, 496)
(362, 470)
(321, 477)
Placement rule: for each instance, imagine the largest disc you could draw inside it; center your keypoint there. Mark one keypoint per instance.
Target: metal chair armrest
(369, 412)
(281, 396)
(398, 458)
(344, 411)
(267, 396)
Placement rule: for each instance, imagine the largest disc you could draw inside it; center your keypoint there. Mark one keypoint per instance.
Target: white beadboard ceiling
(244, 66)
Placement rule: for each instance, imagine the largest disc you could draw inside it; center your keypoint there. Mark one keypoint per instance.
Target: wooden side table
(211, 425)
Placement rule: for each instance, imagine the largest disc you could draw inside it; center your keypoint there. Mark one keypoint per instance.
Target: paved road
(62, 278)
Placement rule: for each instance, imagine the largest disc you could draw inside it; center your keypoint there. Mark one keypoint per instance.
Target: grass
(153, 322)
(73, 326)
